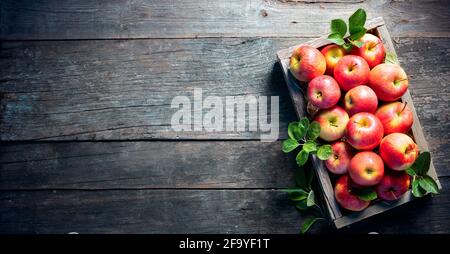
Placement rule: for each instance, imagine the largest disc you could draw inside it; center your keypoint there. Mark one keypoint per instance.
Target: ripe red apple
(388, 81)
(360, 99)
(395, 117)
(373, 50)
(307, 63)
(333, 53)
(364, 131)
(340, 159)
(346, 198)
(351, 71)
(366, 168)
(323, 91)
(393, 185)
(398, 151)
(332, 123)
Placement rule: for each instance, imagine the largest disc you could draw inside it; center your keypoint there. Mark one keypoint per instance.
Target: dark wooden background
(85, 92)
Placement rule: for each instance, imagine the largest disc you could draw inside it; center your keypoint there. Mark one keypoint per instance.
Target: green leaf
(297, 194)
(310, 146)
(309, 222)
(410, 171)
(300, 178)
(357, 34)
(417, 191)
(336, 38)
(428, 184)
(357, 20)
(347, 46)
(310, 201)
(324, 152)
(391, 58)
(301, 205)
(313, 131)
(422, 163)
(302, 157)
(305, 122)
(358, 44)
(289, 145)
(294, 131)
(366, 194)
(338, 26)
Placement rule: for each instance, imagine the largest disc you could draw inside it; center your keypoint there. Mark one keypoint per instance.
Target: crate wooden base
(296, 91)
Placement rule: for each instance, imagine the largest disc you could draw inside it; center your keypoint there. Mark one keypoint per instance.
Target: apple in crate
(360, 99)
(345, 197)
(388, 81)
(323, 91)
(339, 161)
(373, 50)
(351, 71)
(393, 185)
(398, 151)
(332, 123)
(333, 53)
(307, 63)
(395, 117)
(364, 131)
(366, 168)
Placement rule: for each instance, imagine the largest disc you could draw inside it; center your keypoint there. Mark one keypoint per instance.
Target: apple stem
(404, 106)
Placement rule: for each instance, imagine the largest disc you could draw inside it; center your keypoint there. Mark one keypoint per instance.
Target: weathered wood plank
(193, 211)
(134, 165)
(87, 19)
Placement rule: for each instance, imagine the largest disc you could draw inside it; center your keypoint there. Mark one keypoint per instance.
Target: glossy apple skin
(332, 53)
(332, 123)
(360, 99)
(351, 71)
(388, 81)
(307, 63)
(323, 92)
(393, 185)
(339, 161)
(364, 131)
(366, 168)
(398, 151)
(373, 50)
(346, 198)
(395, 117)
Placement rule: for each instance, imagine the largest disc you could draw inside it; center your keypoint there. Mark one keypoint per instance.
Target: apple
(340, 159)
(360, 99)
(398, 151)
(366, 168)
(373, 50)
(307, 63)
(345, 197)
(395, 117)
(323, 91)
(333, 53)
(364, 131)
(389, 81)
(332, 123)
(351, 71)
(393, 185)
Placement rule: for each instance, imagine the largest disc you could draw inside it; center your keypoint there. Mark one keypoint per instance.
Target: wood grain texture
(137, 165)
(99, 19)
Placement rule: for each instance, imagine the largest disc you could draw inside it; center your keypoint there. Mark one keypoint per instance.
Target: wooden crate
(296, 89)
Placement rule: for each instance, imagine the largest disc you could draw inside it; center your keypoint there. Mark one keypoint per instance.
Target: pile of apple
(360, 114)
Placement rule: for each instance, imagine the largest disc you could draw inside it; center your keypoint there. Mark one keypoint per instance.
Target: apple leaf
(417, 191)
(338, 26)
(297, 194)
(336, 38)
(366, 194)
(357, 34)
(422, 163)
(358, 44)
(310, 201)
(357, 20)
(391, 58)
(289, 145)
(310, 146)
(304, 122)
(302, 157)
(324, 152)
(313, 130)
(294, 131)
(410, 172)
(309, 222)
(428, 184)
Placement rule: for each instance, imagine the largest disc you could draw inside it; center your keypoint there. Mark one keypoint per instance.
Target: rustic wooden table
(85, 92)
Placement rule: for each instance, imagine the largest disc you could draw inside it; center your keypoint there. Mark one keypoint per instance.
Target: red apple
(351, 71)
(340, 159)
(346, 198)
(372, 50)
(333, 53)
(360, 99)
(366, 168)
(395, 117)
(398, 151)
(307, 63)
(364, 131)
(323, 92)
(389, 81)
(332, 123)
(393, 185)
